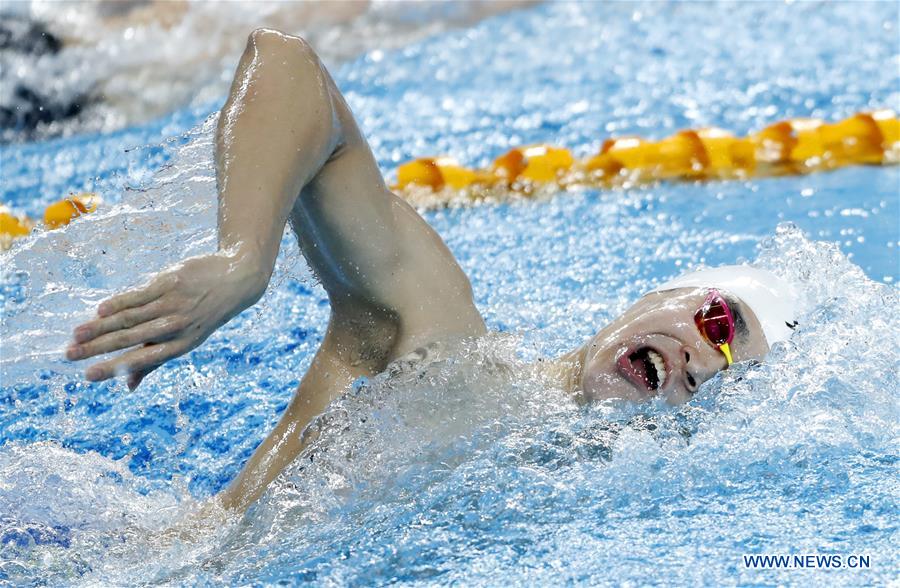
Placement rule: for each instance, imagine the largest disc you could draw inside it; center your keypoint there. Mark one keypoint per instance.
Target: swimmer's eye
(691, 381)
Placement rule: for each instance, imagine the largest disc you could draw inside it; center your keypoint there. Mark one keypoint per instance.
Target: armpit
(363, 337)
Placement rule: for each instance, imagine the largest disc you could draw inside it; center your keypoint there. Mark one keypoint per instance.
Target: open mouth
(644, 367)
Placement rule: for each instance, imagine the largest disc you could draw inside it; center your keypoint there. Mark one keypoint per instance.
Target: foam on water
(470, 468)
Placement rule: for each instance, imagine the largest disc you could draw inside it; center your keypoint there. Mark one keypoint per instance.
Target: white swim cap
(772, 300)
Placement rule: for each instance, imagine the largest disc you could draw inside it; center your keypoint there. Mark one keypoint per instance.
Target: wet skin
(288, 148)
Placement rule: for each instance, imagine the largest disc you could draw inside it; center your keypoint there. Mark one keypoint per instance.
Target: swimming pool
(479, 477)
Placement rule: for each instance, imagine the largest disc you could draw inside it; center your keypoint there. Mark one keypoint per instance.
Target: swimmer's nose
(696, 368)
(690, 381)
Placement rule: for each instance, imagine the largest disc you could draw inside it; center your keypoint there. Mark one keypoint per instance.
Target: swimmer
(288, 150)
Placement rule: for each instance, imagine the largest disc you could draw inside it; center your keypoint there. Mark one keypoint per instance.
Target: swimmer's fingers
(136, 297)
(126, 319)
(142, 359)
(153, 331)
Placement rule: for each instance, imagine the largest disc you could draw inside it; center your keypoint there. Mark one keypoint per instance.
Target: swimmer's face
(655, 349)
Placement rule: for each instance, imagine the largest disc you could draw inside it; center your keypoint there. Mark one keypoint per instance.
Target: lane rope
(789, 147)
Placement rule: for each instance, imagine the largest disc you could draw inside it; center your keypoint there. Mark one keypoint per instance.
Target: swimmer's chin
(564, 372)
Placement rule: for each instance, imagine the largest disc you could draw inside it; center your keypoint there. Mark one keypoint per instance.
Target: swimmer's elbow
(274, 41)
(289, 51)
(308, 82)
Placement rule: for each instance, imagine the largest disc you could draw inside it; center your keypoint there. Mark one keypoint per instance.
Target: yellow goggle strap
(724, 348)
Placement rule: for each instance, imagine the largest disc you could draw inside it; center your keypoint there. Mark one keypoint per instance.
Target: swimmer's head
(681, 334)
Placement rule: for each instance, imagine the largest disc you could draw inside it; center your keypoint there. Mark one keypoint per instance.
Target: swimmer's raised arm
(289, 148)
(392, 283)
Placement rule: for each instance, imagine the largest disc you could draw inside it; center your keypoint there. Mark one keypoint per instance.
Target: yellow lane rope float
(790, 147)
(57, 215)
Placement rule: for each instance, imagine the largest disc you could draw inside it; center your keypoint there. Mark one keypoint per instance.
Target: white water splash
(135, 61)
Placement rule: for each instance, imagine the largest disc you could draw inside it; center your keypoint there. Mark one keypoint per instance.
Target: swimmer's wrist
(248, 257)
(249, 269)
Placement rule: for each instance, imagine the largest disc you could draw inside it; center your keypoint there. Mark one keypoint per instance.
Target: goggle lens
(716, 323)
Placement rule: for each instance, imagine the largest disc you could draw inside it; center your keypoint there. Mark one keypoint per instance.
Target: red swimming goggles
(716, 323)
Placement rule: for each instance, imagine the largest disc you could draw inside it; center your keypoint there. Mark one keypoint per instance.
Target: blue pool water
(462, 472)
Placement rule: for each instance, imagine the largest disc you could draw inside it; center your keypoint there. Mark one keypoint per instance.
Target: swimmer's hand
(169, 316)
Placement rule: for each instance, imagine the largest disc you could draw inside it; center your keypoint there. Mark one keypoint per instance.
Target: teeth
(659, 364)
